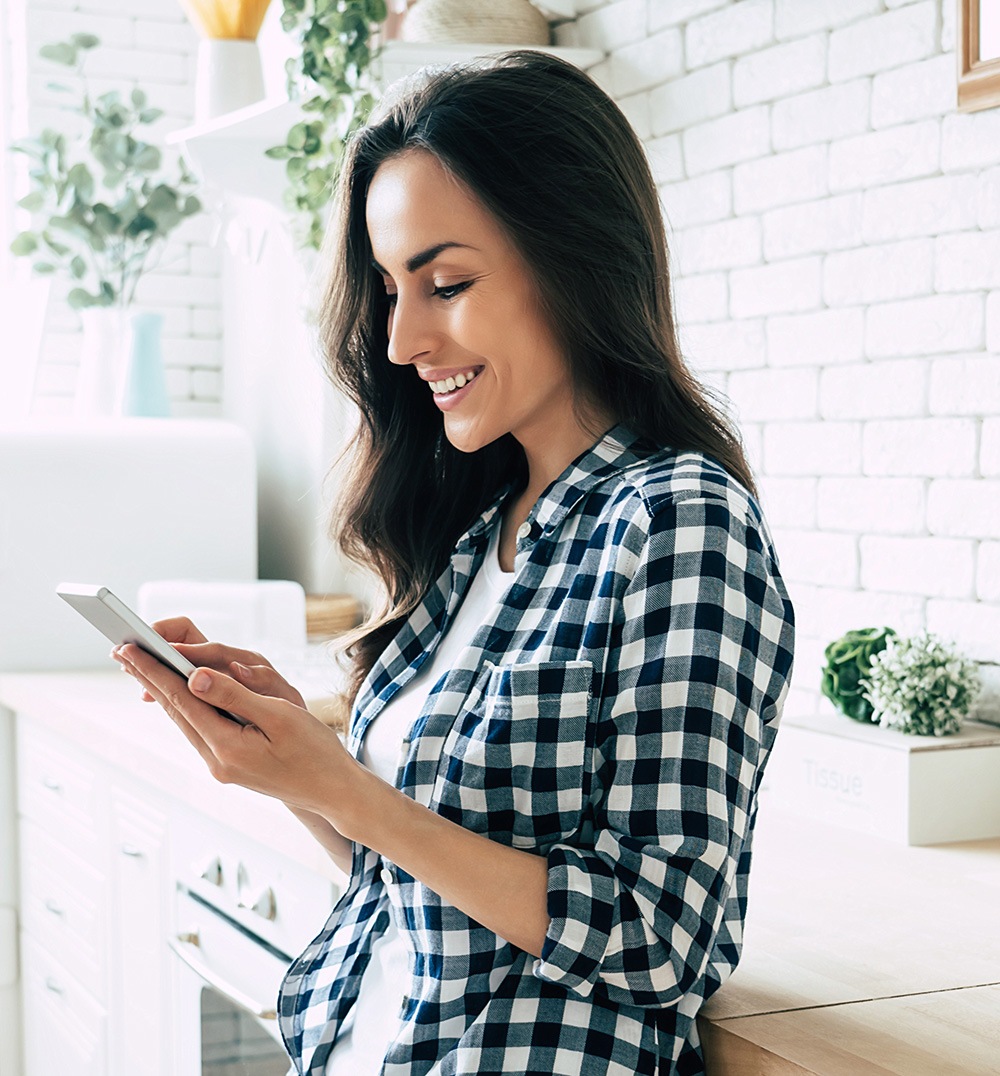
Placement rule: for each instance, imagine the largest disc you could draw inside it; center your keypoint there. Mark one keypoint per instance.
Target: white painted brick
(795, 18)
(970, 140)
(753, 446)
(871, 505)
(647, 63)
(948, 28)
(821, 115)
(920, 207)
(191, 408)
(138, 9)
(834, 612)
(636, 109)
(193, 352)
(740, 136)
(936, 447)
(989, 451)
(665, 158)
(727, 345)
(973, 627)
(812, 448)
(206, 322)
(882, 42)
(993, 321)
(601, 74)
(159, 289)
(967, 261)
(683, 102)
(822, 338)
(176, 321)
(671, 12)
(142, 64)
(774, 394)
(613, 25)
(988, 572)
(818, 558)
(926, 326)
(782, 288)
(780, 180)
(813, 227)
(721, 245)
(698, 201)
(885, 156)
(178, 384)
(171, 37)
(738, 28)
(54, 379)
(988, 199)
(914, 92)
(780, 71)
(879, 273)
(701, 298)
(964, 509)
(888, 388)
(60, 349)
(965, 385)
(937, 567)
(44, 27)
(206, 384)
(788, 502)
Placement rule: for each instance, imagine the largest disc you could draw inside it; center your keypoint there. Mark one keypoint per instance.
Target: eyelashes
(452, 291)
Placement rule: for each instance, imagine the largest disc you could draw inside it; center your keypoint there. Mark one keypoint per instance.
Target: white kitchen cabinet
(140, 991)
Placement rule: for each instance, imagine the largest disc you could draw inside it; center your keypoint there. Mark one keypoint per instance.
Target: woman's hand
(286, 752)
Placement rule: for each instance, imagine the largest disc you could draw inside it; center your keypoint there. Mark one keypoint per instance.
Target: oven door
(226, 983)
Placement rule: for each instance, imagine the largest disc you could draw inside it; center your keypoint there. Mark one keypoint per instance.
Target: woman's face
(466, 307)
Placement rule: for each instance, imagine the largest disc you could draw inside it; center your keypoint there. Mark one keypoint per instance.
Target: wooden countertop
(861, 956)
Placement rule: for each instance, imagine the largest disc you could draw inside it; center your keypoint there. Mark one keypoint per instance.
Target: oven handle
(186, 946)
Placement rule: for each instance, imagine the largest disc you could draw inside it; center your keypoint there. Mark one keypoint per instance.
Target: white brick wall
(151, 44)
(834, 230)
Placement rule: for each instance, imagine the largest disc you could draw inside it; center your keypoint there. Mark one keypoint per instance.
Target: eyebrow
(418, 261)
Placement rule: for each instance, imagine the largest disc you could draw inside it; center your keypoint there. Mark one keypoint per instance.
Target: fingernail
(200, 681)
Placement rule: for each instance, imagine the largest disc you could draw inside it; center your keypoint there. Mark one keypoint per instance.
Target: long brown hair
(555, 160)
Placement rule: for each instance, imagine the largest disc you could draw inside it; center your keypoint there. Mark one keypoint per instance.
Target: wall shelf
(228, 150)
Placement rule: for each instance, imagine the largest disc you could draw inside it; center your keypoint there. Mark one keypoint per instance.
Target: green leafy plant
(105, 206)
(847, 661)
(329, 77)
(921, 686)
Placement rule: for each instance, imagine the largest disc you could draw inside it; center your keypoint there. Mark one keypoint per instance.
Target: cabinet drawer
(63, 902)
(65, 1029)
(60, 792)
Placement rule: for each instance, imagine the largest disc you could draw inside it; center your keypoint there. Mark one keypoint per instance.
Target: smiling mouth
(449, 385)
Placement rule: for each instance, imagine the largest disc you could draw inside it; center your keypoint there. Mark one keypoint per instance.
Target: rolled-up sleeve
(698, 668)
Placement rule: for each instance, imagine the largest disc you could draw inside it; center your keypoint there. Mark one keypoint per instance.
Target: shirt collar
(613, 452)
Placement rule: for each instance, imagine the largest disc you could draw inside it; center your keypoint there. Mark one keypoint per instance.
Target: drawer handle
(52, 784)
(54, 908)
(131, 850)
(187, 948)
(51, 984)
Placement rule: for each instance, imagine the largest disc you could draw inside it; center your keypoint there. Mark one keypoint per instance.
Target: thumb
(224, 693)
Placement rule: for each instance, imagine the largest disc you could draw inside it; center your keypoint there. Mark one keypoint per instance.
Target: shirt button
(524, 530)
(386, 875)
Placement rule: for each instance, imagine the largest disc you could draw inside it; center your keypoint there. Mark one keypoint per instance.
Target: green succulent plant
(328, 75)
(848, 659)
(104, 203)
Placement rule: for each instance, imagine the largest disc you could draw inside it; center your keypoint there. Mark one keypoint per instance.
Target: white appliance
(110, 501)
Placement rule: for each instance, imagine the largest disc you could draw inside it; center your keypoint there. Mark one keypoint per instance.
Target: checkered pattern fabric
(614, 715)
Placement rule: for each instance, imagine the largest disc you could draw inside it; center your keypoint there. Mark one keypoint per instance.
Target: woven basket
(475, 22)
(328, 615)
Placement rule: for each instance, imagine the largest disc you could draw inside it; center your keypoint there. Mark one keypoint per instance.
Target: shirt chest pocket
(513, 764)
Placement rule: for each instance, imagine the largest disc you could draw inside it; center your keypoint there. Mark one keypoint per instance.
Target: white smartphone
(114, 619)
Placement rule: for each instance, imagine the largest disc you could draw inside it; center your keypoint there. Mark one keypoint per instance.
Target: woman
(560, 719)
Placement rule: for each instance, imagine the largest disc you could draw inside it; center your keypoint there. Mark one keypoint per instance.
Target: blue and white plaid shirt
(614, 716)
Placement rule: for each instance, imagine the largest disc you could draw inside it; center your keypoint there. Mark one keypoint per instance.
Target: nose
(409, 334)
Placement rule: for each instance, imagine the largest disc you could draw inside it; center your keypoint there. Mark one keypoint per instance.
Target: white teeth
(451, 383)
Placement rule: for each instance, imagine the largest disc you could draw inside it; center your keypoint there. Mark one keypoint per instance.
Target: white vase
(102, 362)
(228, 76)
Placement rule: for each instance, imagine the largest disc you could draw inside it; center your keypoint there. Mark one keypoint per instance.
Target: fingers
(178, 629)
(265, 680)
(219, 655)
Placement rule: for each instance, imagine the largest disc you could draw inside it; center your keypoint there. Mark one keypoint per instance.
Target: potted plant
(105, 206)
(330, 75)
(921, 686)
(848, 659)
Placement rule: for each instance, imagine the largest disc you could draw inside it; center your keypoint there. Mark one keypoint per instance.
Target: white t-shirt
(383, 985)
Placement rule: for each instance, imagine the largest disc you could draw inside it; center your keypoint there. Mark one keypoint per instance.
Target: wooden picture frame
(978, 79)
